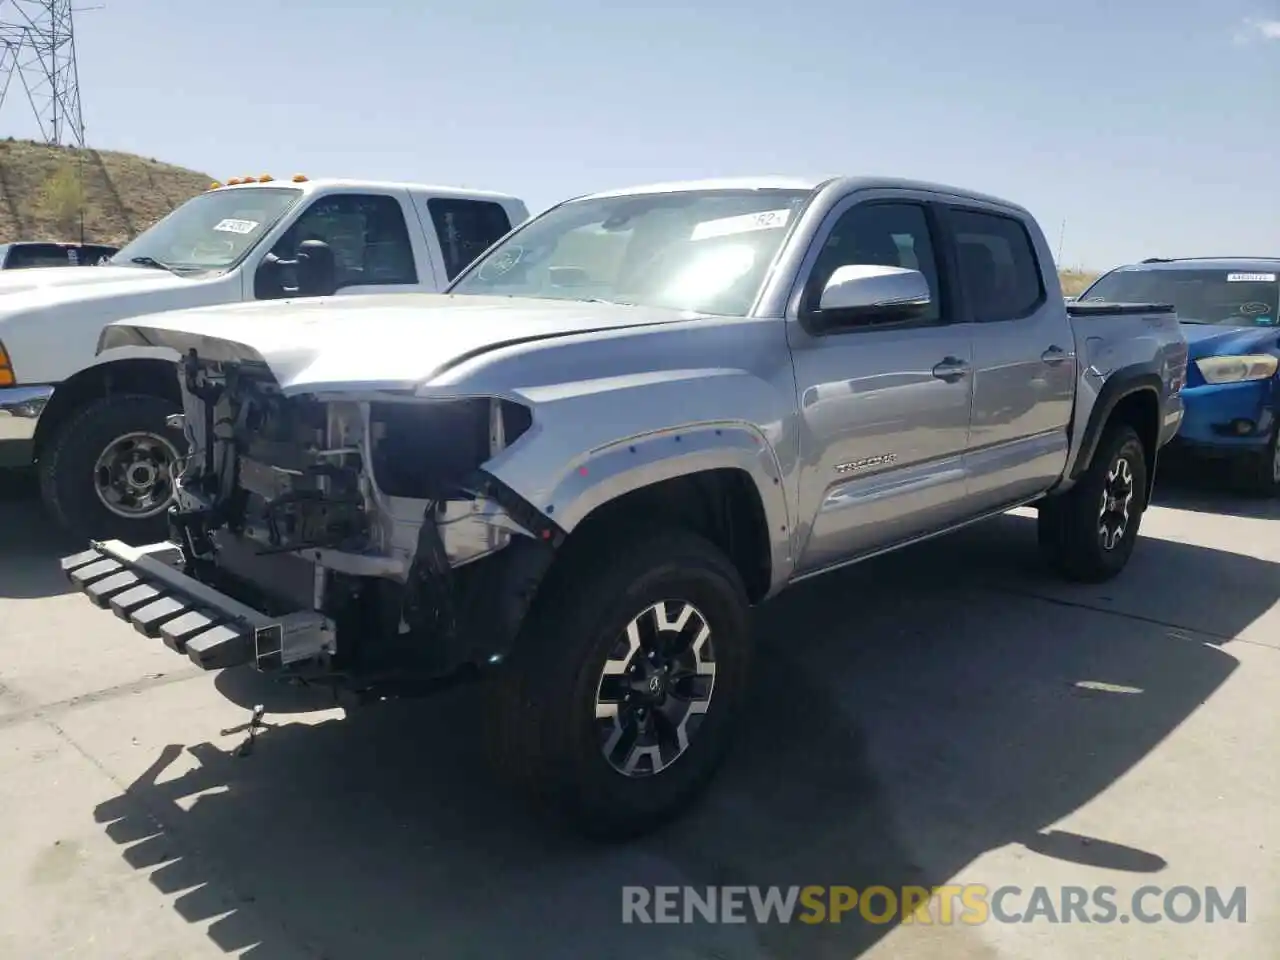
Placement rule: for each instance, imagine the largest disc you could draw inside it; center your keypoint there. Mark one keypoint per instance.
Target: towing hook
(253, 728)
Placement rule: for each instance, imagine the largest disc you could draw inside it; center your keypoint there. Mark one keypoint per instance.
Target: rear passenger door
(1024, 363)
(461, 229)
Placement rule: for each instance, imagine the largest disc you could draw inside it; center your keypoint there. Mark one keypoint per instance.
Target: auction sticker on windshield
(1251, 278)
(236, 226)
(744, 223)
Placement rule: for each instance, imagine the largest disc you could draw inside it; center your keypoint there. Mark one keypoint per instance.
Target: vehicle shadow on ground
(1208, 488)
(909, 715)
(30, 544)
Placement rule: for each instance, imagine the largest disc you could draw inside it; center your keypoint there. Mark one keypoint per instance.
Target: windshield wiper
(151, 262)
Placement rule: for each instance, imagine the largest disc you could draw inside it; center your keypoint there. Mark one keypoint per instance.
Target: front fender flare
(601, 475)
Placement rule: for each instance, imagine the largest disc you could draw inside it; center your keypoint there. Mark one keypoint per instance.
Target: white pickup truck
(96, 426)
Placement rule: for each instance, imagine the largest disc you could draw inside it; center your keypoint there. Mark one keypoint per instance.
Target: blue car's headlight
(1259, 366)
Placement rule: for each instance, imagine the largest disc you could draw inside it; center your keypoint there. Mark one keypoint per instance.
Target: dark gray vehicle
(630, 420)
(27, 254)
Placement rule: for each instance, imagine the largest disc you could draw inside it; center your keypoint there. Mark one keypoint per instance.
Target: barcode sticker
(236, 226)
(1251, 278)
(746, 223)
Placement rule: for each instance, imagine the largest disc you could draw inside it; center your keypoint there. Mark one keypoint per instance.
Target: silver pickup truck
(630, 420)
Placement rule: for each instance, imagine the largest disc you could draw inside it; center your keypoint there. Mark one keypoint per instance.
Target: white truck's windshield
(212, 231)
(707, 251)
(1235, 298)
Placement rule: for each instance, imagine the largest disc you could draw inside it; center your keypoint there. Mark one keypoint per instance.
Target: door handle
(1054, 355)
(950, 369)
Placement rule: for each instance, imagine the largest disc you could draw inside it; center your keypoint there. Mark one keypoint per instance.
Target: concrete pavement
(947, 714)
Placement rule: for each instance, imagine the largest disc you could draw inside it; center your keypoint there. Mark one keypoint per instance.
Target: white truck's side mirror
(858, 293)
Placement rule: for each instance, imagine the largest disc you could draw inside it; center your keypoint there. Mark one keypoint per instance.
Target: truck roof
(844, 183)
(724, 183)
(1242, 264)
(312, 185)
(55, 243)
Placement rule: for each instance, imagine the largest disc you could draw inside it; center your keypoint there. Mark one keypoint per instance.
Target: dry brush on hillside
(58, 193)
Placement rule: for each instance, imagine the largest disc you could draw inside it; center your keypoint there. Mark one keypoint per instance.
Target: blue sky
(1152, 132)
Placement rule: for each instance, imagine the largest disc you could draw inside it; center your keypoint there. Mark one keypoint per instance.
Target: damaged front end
(354, 540)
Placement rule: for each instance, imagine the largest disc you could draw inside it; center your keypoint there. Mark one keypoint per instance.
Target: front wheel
(1089, 533)
(623, 689)
(109, 472)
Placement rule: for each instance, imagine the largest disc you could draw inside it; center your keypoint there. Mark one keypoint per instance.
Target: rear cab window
(999, 270)
(466, 229)
(92, 255)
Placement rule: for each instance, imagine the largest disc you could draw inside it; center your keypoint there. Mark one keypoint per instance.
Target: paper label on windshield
(746, 223)
(1251, 278)
(236, 226)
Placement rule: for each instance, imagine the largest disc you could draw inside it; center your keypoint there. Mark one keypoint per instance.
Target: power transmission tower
(38, 59)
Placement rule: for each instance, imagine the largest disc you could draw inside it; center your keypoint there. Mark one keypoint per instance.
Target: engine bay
(374, 512)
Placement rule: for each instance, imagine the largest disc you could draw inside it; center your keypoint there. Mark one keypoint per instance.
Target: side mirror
(313, 272)
(867, 293)
(317, 269)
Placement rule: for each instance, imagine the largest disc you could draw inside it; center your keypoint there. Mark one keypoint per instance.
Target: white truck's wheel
(108, 472)
(624, 687)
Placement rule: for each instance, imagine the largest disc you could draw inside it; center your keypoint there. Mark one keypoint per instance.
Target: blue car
(1230, 313)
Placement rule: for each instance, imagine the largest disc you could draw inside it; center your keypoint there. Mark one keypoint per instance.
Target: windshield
(212, 231)
(1235, 298)
(707, 251)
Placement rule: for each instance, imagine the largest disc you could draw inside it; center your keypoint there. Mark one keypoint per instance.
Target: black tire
(1259, 475)
(1070, 526)
(67, 466)
(544, 735)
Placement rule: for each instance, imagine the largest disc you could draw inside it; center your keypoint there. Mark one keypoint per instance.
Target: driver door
(884, 409)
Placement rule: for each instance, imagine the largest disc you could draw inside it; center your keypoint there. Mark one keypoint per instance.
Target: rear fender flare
(1123, 382)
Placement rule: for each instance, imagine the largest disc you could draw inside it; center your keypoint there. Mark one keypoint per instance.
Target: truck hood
(60, 278)
(1215, 340)
(376, 342)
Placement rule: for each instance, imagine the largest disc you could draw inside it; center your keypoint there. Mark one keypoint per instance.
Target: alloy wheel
(655, 688)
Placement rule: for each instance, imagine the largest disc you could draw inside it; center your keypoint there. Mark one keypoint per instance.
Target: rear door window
(466, 228)
(998, 266)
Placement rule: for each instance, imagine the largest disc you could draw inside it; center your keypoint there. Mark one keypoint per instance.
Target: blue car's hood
(1215, 340)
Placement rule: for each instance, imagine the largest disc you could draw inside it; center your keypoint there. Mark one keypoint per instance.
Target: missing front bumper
(144, 586)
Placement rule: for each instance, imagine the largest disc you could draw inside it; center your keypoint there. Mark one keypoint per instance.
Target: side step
(144, 586)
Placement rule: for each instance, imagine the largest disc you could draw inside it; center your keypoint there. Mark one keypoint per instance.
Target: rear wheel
(619, 700)
(109, 472)
(1089, 533)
